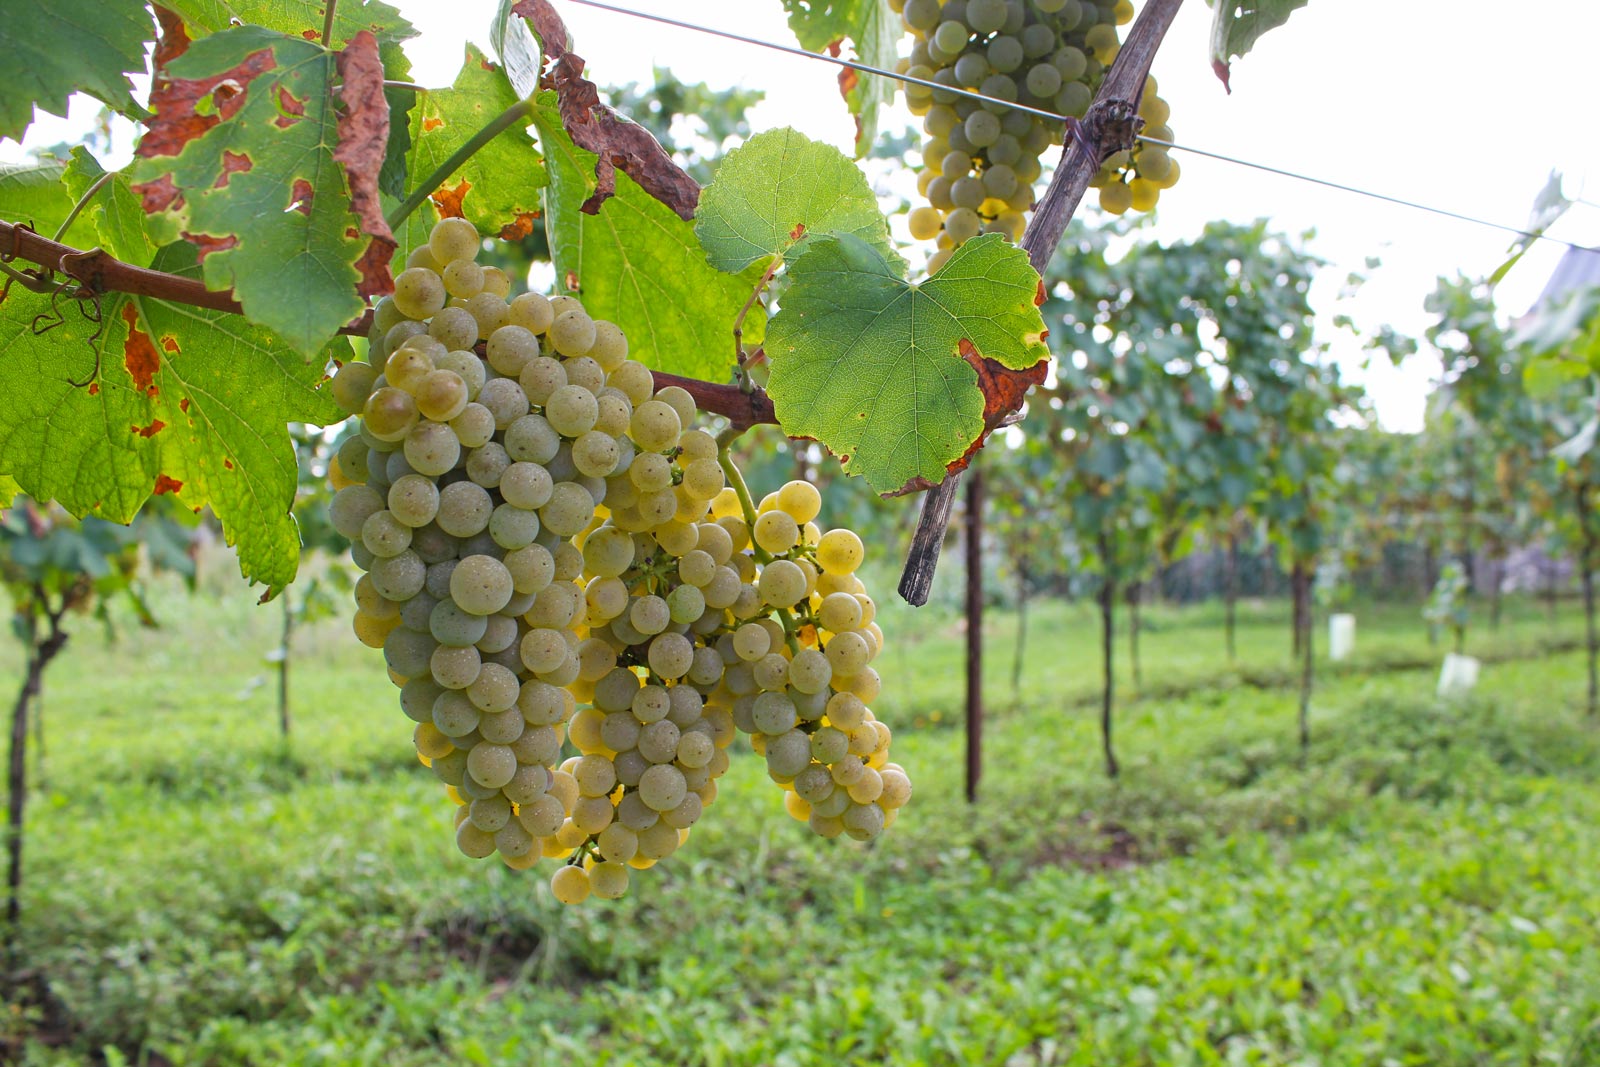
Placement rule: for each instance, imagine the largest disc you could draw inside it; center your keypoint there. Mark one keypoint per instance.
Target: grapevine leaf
(880, 370)
(298, 18)
(249, 159)
(874, 31)
(498, 189)
(36, 194)
(159, 398)
(637, 263)
(516, 48)
(55, 49)
(1236, 25)
(778, 188)
(118, 219)
(1548, 206)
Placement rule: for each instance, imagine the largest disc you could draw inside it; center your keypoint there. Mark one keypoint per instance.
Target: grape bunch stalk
(982, 157)
(574, 593)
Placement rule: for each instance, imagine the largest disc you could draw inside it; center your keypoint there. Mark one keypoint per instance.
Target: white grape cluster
(982, 158)
(555, 560)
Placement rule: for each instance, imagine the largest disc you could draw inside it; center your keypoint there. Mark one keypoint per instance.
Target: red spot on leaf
(169, 344)
(147, 432)
(228, 463)
(290, 109)
(310, 35)
(183, 405)
(174, 39)
(300, 196)
(158, 195)
(431, 123)
(168, 485)
(571, 282)
(519, 227)
(798, 232)
(175, 103)
(448, 200)
(138, 354)
(363, 141)
(232, 163)
(1039, 297)
(206, 244)
(94, 388)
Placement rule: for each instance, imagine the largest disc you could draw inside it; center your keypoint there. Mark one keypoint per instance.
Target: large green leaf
(299, 18)
(874, 31)
(115, 211)
(159, 398)
(638, 264)
(777, 188)
(497, 190)
(878, 369)
(244, 160)
(1236, 25)
(56, 48)
(36, 194)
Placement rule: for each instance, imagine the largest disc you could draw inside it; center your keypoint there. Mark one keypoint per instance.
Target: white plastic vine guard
(1341, 636)
(1458, 675)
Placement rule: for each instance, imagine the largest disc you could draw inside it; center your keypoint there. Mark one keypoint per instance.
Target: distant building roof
(1579, 269)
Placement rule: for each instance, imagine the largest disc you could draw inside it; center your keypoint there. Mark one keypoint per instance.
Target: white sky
(1429, 100)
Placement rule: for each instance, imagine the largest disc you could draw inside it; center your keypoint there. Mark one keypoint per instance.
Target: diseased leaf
(874, 32)
(1236, 25)
(498, 189)
(879, 370)
(159, 398)
(616, 143)
(56, 48)
(1548, 206)
(778, 188)
(638, 264)
(118, 218)
(244, 160)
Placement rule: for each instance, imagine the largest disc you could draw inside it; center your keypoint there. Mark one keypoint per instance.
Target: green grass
(1424, 890)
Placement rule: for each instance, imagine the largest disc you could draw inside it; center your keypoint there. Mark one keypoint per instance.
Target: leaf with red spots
(502, 181)
(888, 375)
(247, 127)
(56, 48)
(161, 398)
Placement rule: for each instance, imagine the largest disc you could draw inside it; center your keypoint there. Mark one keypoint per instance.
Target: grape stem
(327, 23)
(725, 441)
(521, 110)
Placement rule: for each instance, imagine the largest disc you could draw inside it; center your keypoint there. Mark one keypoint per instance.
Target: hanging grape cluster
(982, 158)
(580, 611)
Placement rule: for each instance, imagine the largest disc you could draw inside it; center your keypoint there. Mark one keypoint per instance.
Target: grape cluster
(555, 561)
(982, 158)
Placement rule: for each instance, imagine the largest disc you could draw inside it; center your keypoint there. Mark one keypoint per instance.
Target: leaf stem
(522, 109)
(83, 201)
(743, 375)
(327, 23)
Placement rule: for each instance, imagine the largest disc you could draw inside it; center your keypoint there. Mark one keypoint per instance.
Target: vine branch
(96, 272)
(1109, 126)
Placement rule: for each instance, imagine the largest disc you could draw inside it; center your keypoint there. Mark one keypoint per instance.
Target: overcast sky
(1464, 104)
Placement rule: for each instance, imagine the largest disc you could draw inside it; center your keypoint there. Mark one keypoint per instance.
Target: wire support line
(1054, 117)
(1385, 197)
